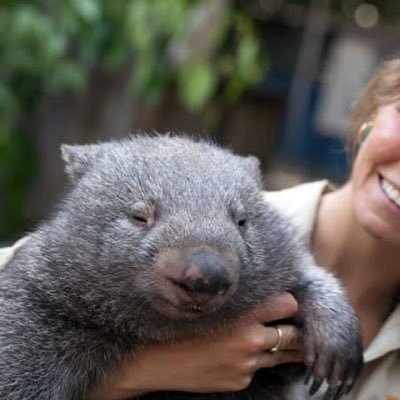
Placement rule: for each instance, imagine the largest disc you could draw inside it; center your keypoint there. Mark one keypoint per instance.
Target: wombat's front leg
(32, 371)
(38, 385)
(332, 336)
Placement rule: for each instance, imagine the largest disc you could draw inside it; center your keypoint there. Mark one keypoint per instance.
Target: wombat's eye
(241, 222)
(138, 220)
(142, 215)
(239, 215)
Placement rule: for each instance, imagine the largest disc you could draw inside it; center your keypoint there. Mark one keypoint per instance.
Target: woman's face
(376, 177)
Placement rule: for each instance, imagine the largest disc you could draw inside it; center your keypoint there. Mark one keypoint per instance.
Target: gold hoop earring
(365, 130)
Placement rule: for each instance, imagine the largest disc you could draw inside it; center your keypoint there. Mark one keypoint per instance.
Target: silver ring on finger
(277, 346)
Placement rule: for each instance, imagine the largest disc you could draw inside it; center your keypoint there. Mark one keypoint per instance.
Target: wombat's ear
(254, 164)
(77, 159)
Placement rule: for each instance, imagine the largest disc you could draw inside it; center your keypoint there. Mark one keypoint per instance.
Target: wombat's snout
(198, 279)
(205, 275)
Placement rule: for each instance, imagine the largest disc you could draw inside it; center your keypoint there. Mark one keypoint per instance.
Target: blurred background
(273, 78)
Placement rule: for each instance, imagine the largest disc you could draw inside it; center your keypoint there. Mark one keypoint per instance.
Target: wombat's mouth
(184, 310)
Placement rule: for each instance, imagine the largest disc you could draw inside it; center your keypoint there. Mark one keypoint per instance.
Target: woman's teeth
(391, 191)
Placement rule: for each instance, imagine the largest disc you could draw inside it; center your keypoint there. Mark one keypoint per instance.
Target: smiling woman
(356, 231)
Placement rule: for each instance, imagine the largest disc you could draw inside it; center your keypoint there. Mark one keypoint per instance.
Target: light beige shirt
(380, 378)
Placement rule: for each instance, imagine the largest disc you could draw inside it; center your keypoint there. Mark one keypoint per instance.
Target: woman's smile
(391, 191)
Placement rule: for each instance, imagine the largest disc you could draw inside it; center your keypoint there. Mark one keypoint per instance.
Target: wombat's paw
(336, 357)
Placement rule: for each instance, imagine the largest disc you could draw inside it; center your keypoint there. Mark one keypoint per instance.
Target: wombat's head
(165, 225)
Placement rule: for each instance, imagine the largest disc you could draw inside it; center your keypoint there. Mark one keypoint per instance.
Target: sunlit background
(273, 78)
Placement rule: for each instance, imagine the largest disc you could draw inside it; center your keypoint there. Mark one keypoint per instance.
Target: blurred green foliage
(207, 50)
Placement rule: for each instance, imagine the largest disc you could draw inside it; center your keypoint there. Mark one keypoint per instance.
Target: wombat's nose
(205, 275)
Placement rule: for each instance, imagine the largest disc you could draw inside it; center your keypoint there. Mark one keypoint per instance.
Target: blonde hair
(382, 89)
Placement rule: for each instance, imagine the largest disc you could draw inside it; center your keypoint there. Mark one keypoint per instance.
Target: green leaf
(88, 10)
(140, 32)
(196, 84)
(247, 57)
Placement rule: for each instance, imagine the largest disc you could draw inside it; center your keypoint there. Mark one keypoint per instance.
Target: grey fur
(81, 293)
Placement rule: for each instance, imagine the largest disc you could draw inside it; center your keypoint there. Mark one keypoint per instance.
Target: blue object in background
(302, 143)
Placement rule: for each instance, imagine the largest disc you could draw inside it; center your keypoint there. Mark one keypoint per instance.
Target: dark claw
(315, 386)
(330, 393)
(341, 391)
(309, 370)
(349, 387)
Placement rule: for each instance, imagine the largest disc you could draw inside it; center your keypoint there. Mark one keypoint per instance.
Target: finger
(267, 360)
(279, 307)
(290, 338)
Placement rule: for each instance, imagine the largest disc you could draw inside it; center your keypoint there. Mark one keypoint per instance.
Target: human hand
(223, 361)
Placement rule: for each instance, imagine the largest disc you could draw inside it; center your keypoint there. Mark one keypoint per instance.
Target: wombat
(160, 239)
